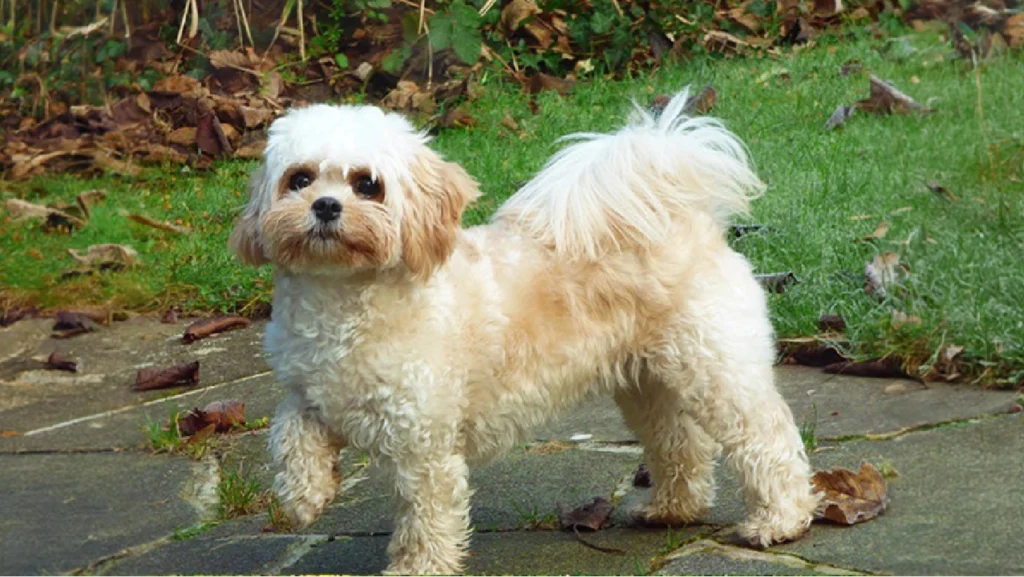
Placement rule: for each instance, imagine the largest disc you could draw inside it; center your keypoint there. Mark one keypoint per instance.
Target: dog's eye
(367, 187)
(300, 180)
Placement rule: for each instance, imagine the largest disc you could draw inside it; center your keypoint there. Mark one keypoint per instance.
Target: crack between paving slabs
(903, 431)
(709, 545)
(134, 551)
(127, 408)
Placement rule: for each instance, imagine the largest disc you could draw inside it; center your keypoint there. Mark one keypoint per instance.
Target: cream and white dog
(399, 333)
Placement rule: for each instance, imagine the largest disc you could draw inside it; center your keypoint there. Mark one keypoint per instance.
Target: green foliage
(457, 27)
(239, 494)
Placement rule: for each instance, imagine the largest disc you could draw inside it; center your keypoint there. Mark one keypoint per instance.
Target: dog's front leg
(307, 452)
(432, 525)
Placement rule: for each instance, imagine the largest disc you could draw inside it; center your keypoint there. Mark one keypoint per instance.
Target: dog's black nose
(327, 208)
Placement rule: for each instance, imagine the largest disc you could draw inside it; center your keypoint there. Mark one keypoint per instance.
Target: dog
(397, 332)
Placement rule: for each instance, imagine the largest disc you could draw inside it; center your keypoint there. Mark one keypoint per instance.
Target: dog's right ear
(245, 238)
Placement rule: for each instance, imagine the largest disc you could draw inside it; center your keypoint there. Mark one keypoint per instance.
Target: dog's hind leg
(719, 356)
(307, 452)
(677, 451)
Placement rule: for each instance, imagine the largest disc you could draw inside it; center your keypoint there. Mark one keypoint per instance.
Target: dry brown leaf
(184, 136)
(887, 368)
(234, 59)
(777, 282)
(510, 123)
(540, 82)
(514, 13)
(14, 315)
(219, 416)
(164, 226)
(591, 516)
(831, 323)
(179, 375)
(105, 256)
(20, 209)
(86, 200)
(251, 151)
(881, 273)
(207, 327)
(61, 362)
(880, 231)
(68, 324)
(850, 498)
(9, 433)
(457, 117)
(1013, 29)
(886, 99)
(742, 16)
(941, 191)
(169, 317)
(254, 117)
(702, 102)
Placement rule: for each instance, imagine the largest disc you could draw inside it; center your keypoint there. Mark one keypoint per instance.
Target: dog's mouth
(322, 233)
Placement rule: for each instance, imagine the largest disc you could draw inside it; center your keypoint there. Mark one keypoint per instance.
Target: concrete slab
(247, 555)
(122, 427)
(956, 507)
(61, 512)
(518, 553)
(108, 362)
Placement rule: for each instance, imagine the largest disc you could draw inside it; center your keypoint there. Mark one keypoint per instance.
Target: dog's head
(351, 188)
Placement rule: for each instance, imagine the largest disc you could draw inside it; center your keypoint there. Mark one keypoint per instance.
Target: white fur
(608, 272)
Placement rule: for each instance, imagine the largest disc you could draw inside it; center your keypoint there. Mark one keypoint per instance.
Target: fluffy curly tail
(625, 189)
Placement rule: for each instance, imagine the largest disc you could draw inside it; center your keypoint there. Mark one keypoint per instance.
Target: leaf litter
(849, 498)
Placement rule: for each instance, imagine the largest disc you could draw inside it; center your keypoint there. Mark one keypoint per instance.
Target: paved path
(81, 492)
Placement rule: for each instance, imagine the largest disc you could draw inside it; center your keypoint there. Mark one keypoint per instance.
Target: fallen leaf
(21, 209)
(164, 226)
(642, 477)
(510, 123)
(831, 322)
(881, 273)
(221, 415)
(850, 498)
(86, 200)
(591, 516)
(886, 99)
(950, 352)
(69, 324)
(840, 116)
(514, 13)
(169, 317)
(777, 282)
(457, 117)
(210, 136)
(206, 327)
(61, 362)
(887, 368)
(540, 82)
(815, 355)
(900, 319)
(14, 315)
(149, 379)
(940, 191)
(184, 136)
(702, 102)
(880, 231)
(9, 433)
(107, 256)
(1013, 29)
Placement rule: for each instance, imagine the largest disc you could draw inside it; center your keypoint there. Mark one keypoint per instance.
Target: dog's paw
(675, 514)
(766, 528)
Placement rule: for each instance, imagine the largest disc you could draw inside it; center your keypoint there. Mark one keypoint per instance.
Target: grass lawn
(827, 189)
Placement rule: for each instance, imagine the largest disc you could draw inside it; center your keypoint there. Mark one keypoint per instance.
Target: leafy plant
(458, 27)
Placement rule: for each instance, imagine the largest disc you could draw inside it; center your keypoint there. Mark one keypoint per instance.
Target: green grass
(827, 189)
(240, 494)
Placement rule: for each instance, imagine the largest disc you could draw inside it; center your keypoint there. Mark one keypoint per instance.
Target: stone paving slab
(108, 362)
(243, 555)
(65, 511)
(956, 507)
(520, 553)
(122, 427)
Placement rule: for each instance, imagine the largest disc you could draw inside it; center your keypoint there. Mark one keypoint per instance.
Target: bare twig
(53, 17)
(415, 5)
(127, 24)
(245, 22)
(302, 32)
(490, 4)
(422, 24)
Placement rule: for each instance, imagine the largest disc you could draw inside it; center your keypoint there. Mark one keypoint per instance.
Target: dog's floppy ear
(433, 212)
(245, 238)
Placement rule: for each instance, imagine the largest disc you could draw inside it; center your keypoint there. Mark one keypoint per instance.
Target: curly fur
(429, 346)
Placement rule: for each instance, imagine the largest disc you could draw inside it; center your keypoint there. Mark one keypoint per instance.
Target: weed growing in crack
(239, 494)
(277, 521)
(533, 519)
(808, 430)
(164, 437)
(193, 531)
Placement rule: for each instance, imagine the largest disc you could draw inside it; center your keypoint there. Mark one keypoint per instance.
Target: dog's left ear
(245, 238)
(433, 212)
